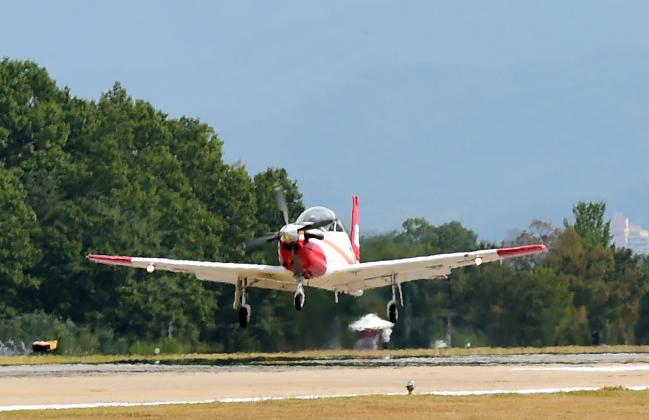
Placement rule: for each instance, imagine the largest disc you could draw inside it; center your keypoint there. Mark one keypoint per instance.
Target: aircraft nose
(289, 234)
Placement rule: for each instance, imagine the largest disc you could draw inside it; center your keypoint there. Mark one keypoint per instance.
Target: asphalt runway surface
(70, 385)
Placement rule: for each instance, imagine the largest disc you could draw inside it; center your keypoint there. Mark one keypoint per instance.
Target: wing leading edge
(370, 275)
(262, 276)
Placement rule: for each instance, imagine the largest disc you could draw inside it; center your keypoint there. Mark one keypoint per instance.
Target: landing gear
(393, 312)
(244, 315)
(240, 294)
(298, 299)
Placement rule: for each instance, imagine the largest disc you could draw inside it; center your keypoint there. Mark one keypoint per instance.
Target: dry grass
(606, 404)
(313, 354)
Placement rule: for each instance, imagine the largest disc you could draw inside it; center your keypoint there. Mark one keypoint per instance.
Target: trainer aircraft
(315, 251)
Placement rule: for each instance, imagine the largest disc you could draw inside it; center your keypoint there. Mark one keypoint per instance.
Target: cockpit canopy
(316, 214)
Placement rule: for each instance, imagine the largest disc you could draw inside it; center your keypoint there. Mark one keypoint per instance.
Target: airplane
(315, 251)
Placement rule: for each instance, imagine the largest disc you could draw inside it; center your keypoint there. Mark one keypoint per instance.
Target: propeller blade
(296, 263)
(280, 198)
(319, 224)
(257, 243)
(314, 234)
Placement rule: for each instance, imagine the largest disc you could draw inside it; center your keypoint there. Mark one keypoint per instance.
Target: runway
(133, 384)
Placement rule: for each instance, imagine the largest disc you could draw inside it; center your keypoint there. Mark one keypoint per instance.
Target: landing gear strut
(298, 299)
(393, 312)
(245, 310)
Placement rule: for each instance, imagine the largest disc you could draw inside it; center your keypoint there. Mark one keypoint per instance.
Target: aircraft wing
(351, 279)
(358, 277)
(262, 276)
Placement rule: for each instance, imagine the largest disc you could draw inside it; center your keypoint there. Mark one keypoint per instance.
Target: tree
(31, 118)
(590, 224)
(119, 176)
(17, 250)
(515, 308)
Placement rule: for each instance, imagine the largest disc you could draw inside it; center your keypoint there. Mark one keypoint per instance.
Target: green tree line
(119, 176)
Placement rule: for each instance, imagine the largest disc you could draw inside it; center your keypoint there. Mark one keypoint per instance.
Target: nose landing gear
(299, 297)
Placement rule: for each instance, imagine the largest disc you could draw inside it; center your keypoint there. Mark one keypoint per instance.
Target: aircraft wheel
(393, 312)
(244, 316)
(299, 301)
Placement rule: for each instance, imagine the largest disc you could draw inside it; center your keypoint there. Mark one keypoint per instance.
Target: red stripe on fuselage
(339, 251)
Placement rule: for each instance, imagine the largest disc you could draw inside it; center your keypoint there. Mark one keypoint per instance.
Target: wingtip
(522, 250)
(108, 259)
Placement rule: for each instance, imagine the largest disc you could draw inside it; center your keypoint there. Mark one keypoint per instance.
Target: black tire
(393, 313)
(244, 317)
(299, 301)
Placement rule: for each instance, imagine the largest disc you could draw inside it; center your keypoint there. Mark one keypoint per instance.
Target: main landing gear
(393, 312)
(245, 310)
(244, 315)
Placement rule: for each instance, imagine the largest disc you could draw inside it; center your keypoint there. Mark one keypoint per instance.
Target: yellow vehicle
(45, 346)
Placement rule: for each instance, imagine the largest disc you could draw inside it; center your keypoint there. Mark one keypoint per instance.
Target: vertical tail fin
(355, 234)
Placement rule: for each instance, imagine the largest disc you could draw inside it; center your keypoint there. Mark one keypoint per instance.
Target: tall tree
(590, 224)
(18, 252)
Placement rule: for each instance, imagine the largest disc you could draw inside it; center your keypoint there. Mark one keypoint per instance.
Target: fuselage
(316, 256)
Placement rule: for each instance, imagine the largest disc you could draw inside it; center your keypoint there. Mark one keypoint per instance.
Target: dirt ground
(289, 382)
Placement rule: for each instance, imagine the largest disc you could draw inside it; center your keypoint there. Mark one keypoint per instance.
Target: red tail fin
(355, 234)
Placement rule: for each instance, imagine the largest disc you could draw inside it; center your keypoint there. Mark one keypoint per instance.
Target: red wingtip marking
(521, 250)
(109, 258)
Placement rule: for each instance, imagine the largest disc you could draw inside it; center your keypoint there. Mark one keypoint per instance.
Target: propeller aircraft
(315, 251)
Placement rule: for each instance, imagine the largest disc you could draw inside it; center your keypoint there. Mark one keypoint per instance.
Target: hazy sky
(489, 112)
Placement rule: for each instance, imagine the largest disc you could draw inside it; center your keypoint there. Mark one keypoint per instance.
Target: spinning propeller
(290, 233)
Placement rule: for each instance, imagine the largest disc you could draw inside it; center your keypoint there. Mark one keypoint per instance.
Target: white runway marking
(625, 368)
(97, 405)
(305, 397)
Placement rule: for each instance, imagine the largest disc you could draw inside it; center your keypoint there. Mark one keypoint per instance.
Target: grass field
(605, 404)
(312, 354)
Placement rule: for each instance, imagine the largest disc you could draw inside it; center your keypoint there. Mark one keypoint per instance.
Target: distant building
(629, 235)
